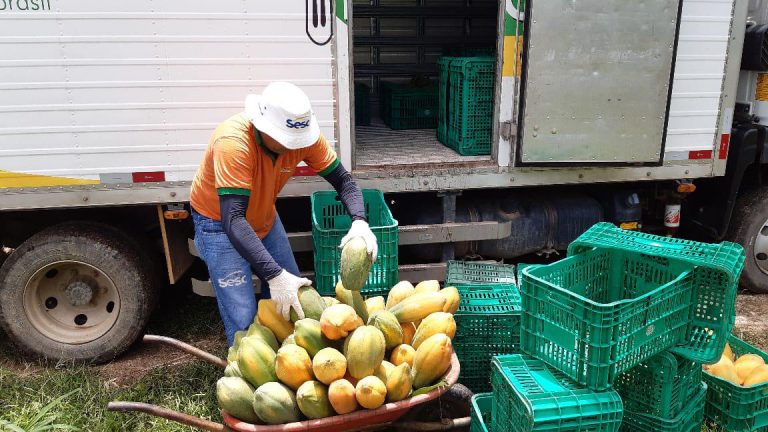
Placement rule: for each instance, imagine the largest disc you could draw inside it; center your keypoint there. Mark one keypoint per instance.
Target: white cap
(283, 112)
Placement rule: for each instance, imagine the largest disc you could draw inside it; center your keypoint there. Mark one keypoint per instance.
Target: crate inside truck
(495, 130)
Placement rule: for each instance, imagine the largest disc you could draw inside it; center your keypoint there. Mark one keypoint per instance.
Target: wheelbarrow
(388, 415)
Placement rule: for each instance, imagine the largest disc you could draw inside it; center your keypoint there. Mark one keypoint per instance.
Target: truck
(650, 115)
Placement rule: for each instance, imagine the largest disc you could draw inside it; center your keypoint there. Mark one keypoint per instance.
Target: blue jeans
(231, 275)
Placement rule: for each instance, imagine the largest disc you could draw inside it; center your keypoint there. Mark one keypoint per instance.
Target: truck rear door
(596, 81)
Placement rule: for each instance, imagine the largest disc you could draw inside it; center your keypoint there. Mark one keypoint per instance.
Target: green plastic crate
(487, 324)
(362, 105)
(330, 222)
(471, 273)
(482, 406)
(660, 386)
(688, 420)
(715, 271)
(470, 108)
(599, 313)
(529, 396)
(736, 408)
(406, 107)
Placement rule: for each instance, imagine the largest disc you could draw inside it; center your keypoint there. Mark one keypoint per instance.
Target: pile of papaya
(746, 370)
(347, 354)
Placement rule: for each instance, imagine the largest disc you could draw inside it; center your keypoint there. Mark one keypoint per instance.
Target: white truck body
(113, 103)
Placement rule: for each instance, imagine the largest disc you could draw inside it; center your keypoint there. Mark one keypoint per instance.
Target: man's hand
(360, 228)
(284, 289)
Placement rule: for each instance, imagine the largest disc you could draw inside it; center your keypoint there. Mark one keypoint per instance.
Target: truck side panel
(96, 90)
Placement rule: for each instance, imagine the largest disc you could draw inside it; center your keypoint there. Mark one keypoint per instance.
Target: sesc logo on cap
(298, 123)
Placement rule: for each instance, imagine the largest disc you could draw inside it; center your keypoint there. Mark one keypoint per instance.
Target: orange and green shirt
(236, 162)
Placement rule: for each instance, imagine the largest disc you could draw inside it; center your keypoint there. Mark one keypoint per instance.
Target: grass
(77, 399)
(41, 396)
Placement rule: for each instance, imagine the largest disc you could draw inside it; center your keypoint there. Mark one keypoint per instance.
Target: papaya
(309, 336)
(330, 301)
(370, 392)
(290, 340)
(338, 320)
(293, 366)
(409, 330)
(724, 369)
(341, 394)
(232, 354)
(398, 293)
(264, 334)
(239, 335)
(374, 304)
(312, 398)
(275, 403)
(354, 299)
(728, 352)
(329, 365)
(402, 354)
(427, 286)
(452, 299)
(232, 370)
(235, 396)
(418, 306)
(311, 303)
(436, 322)
(256, 361)
(388, 325)
(383, 370)
(355, 264)
(759, 375)
(364, 350)
(432, 360)
(399, 383)
(271, 319)
(745, 364)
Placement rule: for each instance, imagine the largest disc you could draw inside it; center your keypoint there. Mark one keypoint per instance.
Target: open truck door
(598, 90)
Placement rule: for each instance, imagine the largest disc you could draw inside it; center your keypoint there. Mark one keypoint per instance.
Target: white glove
(284, 289)
(360, 228)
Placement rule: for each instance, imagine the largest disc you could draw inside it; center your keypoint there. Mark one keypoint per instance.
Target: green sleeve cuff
(233, 191)
(330, 168)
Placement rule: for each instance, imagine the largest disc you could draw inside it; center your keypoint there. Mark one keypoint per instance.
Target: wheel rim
(71, 302)
(760, 248)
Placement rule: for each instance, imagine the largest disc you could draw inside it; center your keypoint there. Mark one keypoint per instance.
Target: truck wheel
(749, 228)
(77, 291)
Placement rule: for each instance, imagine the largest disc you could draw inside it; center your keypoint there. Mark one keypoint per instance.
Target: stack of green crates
(488, 318)
(737, 408)
(621, 297)
(663, 393)
(530, 396)
(405, 106)
(362, 105)
(330, 222)
(466, 103)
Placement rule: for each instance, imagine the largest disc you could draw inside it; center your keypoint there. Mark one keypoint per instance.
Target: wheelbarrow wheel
(455, 403)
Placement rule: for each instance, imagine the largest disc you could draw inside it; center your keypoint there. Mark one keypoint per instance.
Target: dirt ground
(752, 319)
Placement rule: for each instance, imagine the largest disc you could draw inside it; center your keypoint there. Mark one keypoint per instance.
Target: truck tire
(78, 291)
(749, 228)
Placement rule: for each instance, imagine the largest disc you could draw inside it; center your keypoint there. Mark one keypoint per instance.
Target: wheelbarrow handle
(187, 348)
(166, 413)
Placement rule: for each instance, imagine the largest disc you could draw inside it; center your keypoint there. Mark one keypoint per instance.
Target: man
(249, 159)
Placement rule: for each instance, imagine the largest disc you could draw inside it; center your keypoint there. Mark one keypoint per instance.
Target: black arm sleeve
(244, 238)
(350, 194)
